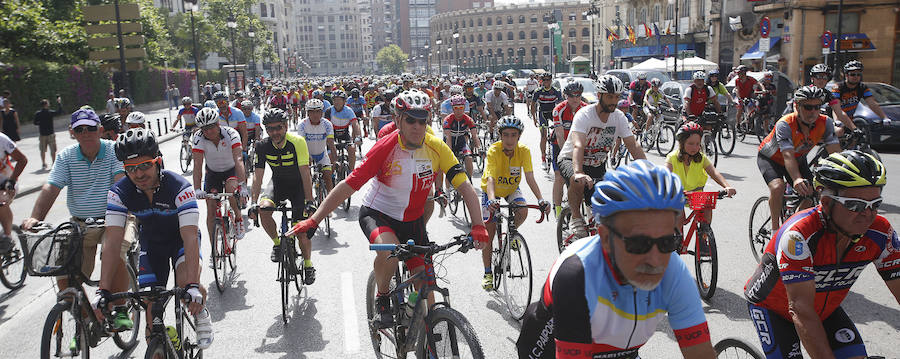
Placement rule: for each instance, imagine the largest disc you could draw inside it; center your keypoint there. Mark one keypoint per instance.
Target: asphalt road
(328, 319)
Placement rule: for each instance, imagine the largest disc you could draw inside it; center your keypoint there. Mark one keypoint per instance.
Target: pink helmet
(457, 100)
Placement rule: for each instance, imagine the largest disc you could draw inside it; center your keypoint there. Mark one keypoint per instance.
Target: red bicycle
(224, 240)
(706, 263)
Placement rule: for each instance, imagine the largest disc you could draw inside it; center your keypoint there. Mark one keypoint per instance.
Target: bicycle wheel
(741, 130)
(452, 200)
(736, 348)
(12, 274)
(648, 138)
(386, 342)
(761, 127)
(187, 332)
(517, 281)
(231, 237)
(63, 334)
(727, 138)
(157, 348)
(284, 277)
(706, 262)
(345, 169)
(185, 157)
(297, 264)
(320, 191)
(449, 335)
(665, 141)
(760, 227)
(564, 235)
(127, 339)
(218, 256)
(479, 162)
(710, 149)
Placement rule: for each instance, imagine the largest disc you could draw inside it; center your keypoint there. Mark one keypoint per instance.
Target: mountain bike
(320, 192)
(224, 239)
(179, 341)
(706, 260)
(660, 134)
(430, 330)
(342, 168)
(288, 271)
(511, 261)
(12, 263)
(185, 155)
(71, 328)
(761, 218)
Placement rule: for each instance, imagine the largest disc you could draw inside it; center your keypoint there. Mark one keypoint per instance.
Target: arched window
(521, 51)
(585, 32)
(654, 15)
(490, 52)
(470, 23)
(490, 21)
(480, 52)
(572, 49)
(456, 24)
(463, 39)
(521, 19)
(471, 38)
(585, 49)
(480, 23)
(499, 36)
(534, 18)
(480, 39)
(509, 36)
(509, 20)
(546, 50)
(521, 35)
(510, 52)
(499, 20)
(464, 24)
(572, 33)
(533, 34)
(546, 33)
(490, 37)
(642, 18)
(499, 52)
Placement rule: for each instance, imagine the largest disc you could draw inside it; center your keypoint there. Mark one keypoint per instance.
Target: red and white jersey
(217, 156)
(404, 177)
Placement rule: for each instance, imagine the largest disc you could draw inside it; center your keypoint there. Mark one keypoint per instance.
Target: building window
(546, 50)
(850, 23)
(480, 39)
(490, 37)
(533, 34)
(499, 21)
(489, 21)
(654, 15)
(685, 10)
(546, 33)
(499, 36)
(585, 49)
(585, 32)
(521, 19)
(534, 18)
(670, 12)
(262, 10)
(643, 17)
(521, 35)
(572, 33)
(471, 38)
(572, 49)
(702, 10)
(572, 17)
(509, 20)
(509, 36)
(272, 9)
(479, 22)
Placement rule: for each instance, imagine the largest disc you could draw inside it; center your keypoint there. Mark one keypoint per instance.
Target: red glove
(303, 227)
(479, 233)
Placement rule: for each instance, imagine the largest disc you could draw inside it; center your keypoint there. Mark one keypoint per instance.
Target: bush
(149, 84)
(30, 82)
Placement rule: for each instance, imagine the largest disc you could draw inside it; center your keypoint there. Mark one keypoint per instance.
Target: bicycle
(319, 191)
(548, 151)
(185, 155)
(746, 124)
(512, 259)
(12, 263)
(225, 239)
(250, 159)
(760, 217)
(706, 261)
(162, 342)
(342, 168)
(726, 136)
(565, 235)
(660, 134)
(71, 328)
(287, 265)
(453, 197)
(431, 332)
(711, 123)
(736, 348)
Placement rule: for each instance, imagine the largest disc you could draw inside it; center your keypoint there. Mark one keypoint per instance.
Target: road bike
(660, 134)
(761, 218)
(548, 151)
(342, 168)
(185, 155)
(320, 192)
(288, 271)
(511, 261)
(706, 260)
(174, 342)
(431, 330)
(250, 159)
(734, 348)
(224, 239)
(71, 328)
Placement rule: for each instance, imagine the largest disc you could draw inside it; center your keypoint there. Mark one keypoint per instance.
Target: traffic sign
(826, 39)
(765, 44)
(764, 26)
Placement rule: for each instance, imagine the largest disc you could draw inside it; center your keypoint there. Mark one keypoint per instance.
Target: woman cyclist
(651, 102)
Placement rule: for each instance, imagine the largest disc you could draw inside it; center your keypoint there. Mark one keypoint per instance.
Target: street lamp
(427, 61)
(676, 38)
(550, 18)
(283, 65)
(438, 43)
(592, 14)
(193, 7)
(232, 25)
(456, 49)
(252, 35)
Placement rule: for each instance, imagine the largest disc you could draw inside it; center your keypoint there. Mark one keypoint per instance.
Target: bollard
(166, 125)
(158, 129)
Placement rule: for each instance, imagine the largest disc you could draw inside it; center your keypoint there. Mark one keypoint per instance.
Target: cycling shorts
(554, 156)
(544, 118)
(780, 340)
(383, 122)
(321, 159)
(567, 170)
(156, 258)
(771, 170)
(460, 145)
(342, 136)
(294, 194)
(215, 181)
(515, 197)
(374, 223)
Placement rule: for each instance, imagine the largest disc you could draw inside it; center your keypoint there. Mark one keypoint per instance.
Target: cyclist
(652, 98)
(606, 294)
(358, 104)
(459, 129)
(164, 203)
(123, 107)
(406, 81)
(808, 267)
(346, 125)
(819, 75)
(852, 91)
(111, 126)
(319, 135)
(636, 92)
(743, 87)
(278, 100)
(136, 119)
(543, 101)
(9, 175)
(498, 105)
(318, 94)
(508, 162)
(369, 96)
(238, 100)
(481, 90)
(231, 116)
(392, 207)
(692, 166)
(328, 91)
(782, 154)
(217, 149)
(595, 129)
(476, 104)
(382, 112)
(530, 86)
(186, 113)
(562, 123)
(254, 131)
(698, 95)
(765, 92)
(288, 156)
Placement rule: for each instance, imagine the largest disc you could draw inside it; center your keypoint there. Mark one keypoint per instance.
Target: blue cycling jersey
(174, 206)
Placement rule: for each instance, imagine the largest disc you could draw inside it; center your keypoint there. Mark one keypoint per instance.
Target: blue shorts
(515, 197)
(156, 257)
(780, 340)
(544, 118)
(554, 154)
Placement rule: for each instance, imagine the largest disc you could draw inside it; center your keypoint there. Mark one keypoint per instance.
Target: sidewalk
(33, 178)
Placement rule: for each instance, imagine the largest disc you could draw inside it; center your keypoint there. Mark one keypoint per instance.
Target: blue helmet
(639, 186)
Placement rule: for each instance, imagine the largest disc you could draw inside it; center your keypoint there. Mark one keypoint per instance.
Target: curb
(32, 189)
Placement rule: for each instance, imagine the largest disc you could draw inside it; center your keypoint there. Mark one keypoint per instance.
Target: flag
(648, 30)
(668, 28)
(631, 36)
(656, 30)
(609, 35)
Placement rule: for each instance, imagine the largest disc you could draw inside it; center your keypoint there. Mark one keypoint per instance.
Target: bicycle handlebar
(219, 196)
(410, 248)
(532, 206)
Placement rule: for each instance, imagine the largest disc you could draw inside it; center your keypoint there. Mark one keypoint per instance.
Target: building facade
(329, 37)
(412, 31)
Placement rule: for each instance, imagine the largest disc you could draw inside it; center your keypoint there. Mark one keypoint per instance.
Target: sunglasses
(82, 129)
(274, 128)
(143, 166)
(821, 77)
(857, 205)
(811, 107)
(854, 74)
(642, 244)
(411, 120)
(459, 106)
(208, 127)
(219, 102)
(573, 95)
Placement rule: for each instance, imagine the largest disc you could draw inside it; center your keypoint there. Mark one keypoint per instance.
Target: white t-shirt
(7, 147)
(217, 158)
(379, 114)
(495, 103)
(531, 85)
(601, 136)
(316, 135)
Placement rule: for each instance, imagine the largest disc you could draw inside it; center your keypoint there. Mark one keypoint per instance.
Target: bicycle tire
(52, 336)
(760, 128)
(284, 276)
(479, 162)
(185, 157)
(710, 148)
(665, 140)
(727, 138)
(452, 200)
(740, 346)
(320, 191)
(189, 340)
(741, 130)
(345, 169)
(707, 290)
(218, 256)
(384, 341)
(157, 348)
(457, 328)
(299, 275)
(563, 234)
(760, 231)
(13, 273)
(519, 257)
(136, 315)
(232, 243)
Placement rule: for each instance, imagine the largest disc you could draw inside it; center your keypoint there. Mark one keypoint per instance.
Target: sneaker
(309, 275)
(383, 316)
(240, 230)
(121, 321)
(204, 329)
(276, 253)
(6, 244)
(488, 282)
(579, 227)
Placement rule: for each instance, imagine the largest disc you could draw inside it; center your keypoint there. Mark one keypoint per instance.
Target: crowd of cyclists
(426, 132)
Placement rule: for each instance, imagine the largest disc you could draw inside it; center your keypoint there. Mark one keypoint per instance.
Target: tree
(218, 13)
(42, 30)
(391, 59)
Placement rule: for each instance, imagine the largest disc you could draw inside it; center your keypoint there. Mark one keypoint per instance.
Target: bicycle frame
(158, 298)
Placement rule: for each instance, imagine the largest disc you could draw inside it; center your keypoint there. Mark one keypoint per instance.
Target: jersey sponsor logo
(844, 335)
(762, 326)
(787, 278)
(895, 242)
(889, 264)
(423, 175)
(838, 278)
(795, 351)
(113, 197)
(183, 196)
(515, 171)
(859, 248)
(794, 246)
(764, 280)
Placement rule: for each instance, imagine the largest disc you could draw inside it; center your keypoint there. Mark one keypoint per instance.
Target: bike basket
(702, 200)
(54, 253)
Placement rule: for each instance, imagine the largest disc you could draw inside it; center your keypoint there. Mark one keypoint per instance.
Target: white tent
(691, 64)
(651, 64)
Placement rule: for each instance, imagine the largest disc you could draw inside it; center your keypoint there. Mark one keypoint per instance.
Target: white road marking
(351, 332)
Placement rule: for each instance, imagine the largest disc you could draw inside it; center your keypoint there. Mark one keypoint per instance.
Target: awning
(855, 43)
(755, 54)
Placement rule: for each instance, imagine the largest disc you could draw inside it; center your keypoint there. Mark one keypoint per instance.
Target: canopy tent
(691, 64)
(755, 54)
(580, 59)
(651, 64)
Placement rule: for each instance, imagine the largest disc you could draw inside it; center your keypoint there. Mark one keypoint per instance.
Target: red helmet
(687, 129)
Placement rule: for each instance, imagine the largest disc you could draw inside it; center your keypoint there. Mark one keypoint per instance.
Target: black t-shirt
(44, 120)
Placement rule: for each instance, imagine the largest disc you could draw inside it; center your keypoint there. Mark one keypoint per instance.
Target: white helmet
(499, 85)
(609, 84)
(206, 116)
(456, 89)
(314, 105)
(414, 102)
(136, 118)
(406, 76)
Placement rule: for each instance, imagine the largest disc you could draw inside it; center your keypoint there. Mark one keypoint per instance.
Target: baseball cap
(84, 117)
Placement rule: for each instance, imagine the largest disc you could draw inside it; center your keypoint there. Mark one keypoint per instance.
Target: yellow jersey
(505, 170)
(694, 176)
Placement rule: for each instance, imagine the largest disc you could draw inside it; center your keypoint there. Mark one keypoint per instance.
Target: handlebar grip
(382, 247)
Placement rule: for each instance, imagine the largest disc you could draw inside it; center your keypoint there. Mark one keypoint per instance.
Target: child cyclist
(507, 162)
(692, 166)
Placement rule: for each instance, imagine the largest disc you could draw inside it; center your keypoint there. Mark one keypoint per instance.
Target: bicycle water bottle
(173, 337)
(411, 303)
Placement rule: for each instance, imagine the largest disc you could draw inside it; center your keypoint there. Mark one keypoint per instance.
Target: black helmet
(354, 92)
(339, 93)
(111, 122)
(546, 76)
(853, 66)
(849, 169)
(136, 142)
(573, 88)
(810, 93)
(274, 115)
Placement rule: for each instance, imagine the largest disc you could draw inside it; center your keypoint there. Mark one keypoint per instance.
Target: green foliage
(391, 59)
(156, 36)
(149, 84)
(218, 13)
(36, 80)
(48, 30)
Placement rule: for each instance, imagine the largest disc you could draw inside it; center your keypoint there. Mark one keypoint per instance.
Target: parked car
(590, 91)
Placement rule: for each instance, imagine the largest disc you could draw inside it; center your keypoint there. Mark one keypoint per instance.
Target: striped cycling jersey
(341, 120)
(404, 176)
(562, 116)
(173, 206)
